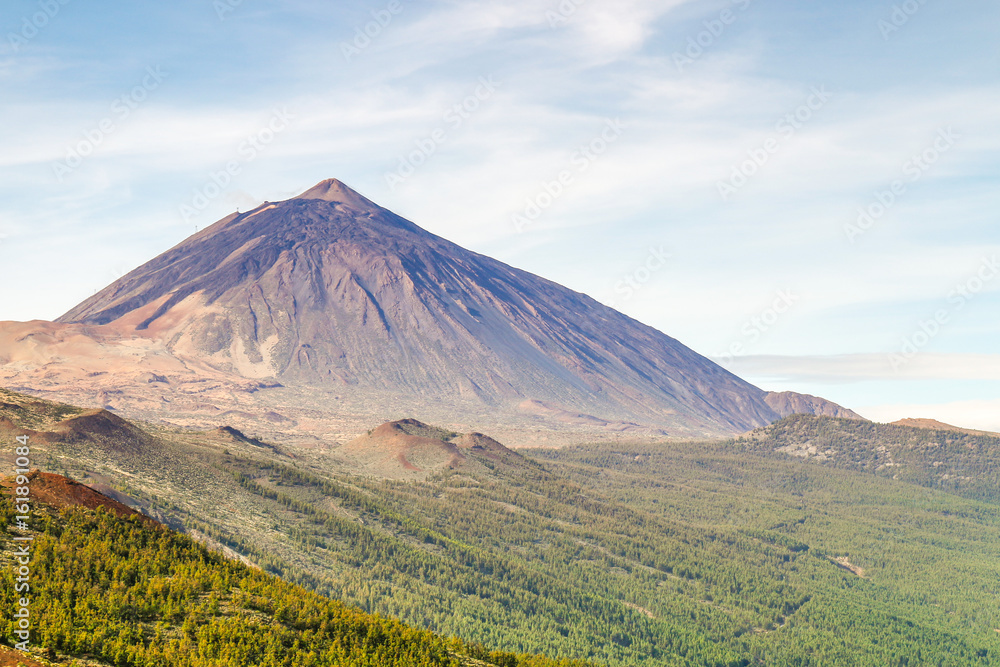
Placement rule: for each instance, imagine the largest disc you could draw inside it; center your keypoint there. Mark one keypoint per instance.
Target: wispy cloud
(846, 368)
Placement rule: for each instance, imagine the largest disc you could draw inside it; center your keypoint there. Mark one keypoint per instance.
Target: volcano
(329, 289)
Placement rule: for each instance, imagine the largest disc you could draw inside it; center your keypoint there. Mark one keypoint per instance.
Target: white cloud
(859, 381)
(835, 369)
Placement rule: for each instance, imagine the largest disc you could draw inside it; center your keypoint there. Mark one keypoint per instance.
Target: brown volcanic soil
(403, 447)
(11, 658)
(411, 449)
(60, 492)
(99, 425)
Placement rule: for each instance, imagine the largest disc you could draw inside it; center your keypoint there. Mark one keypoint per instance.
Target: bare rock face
(330, 290)
(788, 403)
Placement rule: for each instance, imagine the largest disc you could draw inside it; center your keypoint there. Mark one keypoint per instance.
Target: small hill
(787, 403)
(934, 425)
(411, 449)
(100, 426)
(959, 462)
(61, 492)
(19, 412)
(230, 435)
(55, 423)
(477, 442)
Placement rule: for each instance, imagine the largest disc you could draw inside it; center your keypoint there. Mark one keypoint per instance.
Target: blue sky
(700, 165)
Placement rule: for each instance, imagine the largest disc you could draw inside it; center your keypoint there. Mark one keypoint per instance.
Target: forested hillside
(130, 594)
(967, 464)
(895, 574)
(676, 554)
(695, 554)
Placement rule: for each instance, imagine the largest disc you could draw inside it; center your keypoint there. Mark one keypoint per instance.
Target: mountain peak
(329, 290)
(332, 190)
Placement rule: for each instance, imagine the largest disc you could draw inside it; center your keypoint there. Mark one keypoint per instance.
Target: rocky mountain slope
(330, 289)
(317, 316)
(787, 403)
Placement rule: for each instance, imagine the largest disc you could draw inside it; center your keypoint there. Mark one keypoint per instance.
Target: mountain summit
(332, 190)
(330, 289)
